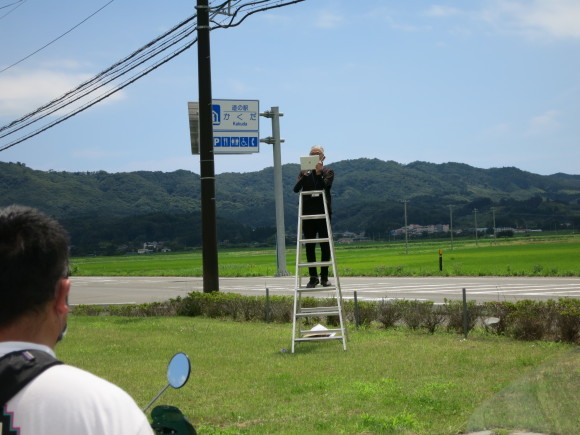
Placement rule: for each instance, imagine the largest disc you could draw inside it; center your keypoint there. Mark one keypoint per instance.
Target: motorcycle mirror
(178, 371)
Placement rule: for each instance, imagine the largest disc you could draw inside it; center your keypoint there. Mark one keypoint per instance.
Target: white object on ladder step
(332, 292)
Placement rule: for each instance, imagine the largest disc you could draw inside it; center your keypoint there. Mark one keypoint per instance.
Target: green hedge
(523, 320)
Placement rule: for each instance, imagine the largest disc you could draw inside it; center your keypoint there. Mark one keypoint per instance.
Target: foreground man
(38, 394)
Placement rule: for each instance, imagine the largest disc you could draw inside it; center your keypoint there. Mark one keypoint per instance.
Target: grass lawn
(388, 381)
(537, 257)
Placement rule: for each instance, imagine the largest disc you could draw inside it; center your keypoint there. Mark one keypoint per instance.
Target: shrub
(281, 309)
(191, 305)
(367, 312)
(523, 320)
(252, 307)
(88, 310)
(421, 314)
(530, 320)
(389, 312)
(167, 308)
(454, 311)
(434, 317)
(413, 312)
(499, 310)
(144, 310)
(568, 319)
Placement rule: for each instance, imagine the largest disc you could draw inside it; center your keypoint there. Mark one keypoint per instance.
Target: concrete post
(275, 141)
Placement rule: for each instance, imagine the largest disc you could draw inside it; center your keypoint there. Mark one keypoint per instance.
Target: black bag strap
(18, 368)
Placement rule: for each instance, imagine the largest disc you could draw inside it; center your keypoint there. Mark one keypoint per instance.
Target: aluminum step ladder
(333, 292)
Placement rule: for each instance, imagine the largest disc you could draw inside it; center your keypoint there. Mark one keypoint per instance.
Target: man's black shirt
(312, 181)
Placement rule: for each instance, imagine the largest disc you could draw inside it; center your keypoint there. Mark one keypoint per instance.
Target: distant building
(418, 230)
(149, 247)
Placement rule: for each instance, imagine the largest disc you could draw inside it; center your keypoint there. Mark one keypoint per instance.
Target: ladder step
(316, 289)
(332, 307)
(320, 312)
(338, 337)
(315, 264)
(322, 332)
(306, 217)
(315, 240)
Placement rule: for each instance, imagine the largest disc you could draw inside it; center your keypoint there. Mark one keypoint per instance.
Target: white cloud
(537, 18)
(26, 91)
(531, 18)
(328, 20)
(499, 129)
(442, 11)
(560, 18)
(23, 91)
(545, 123)
(393, 19)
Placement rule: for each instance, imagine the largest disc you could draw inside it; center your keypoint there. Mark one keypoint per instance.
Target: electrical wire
(101, 97)
(10, 4)
(179, 34)
(256, 9)
(57, 38)
(18, 4)
(128, 63)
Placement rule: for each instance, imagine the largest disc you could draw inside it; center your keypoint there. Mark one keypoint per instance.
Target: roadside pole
(206, 161)
(275, 141)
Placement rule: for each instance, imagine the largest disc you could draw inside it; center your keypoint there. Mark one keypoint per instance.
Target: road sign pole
(275, 141)
(206, 161)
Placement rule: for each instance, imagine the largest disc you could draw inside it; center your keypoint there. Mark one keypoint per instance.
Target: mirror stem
(155, 398)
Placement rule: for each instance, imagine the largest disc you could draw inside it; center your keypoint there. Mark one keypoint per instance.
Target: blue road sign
(236, 126)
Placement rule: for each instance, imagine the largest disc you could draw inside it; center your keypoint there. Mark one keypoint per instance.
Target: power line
(255, 8)
(120, 68)
(57, 38)
(18, 4)
(10, 4)
(101, 98)
(178, 34)
(85, 89)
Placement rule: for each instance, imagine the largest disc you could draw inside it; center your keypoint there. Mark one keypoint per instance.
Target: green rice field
(546, 256)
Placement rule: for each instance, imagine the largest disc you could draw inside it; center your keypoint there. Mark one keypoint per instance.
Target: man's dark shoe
(325, 282)
(312, 283)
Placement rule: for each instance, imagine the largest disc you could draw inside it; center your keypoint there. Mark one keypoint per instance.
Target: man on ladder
(320, 178)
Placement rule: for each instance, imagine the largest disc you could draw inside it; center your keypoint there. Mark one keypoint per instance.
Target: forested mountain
(106, 209)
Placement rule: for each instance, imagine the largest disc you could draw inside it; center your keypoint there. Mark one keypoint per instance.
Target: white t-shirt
(65, 400)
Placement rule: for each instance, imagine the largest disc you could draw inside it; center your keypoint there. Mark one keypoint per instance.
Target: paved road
(120, 290)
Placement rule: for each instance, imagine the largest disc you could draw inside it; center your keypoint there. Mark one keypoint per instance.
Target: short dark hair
(33, 257)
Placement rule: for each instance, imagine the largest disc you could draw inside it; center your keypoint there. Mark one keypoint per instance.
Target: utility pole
(494, 232)
(475, 217)
(406, 231)
(275, 141)
(451, 224)
(206, 161)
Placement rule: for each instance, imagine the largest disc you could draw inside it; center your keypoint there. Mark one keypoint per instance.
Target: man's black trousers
(316, 229)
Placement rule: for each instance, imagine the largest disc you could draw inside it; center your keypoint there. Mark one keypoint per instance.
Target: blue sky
(489, 83)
